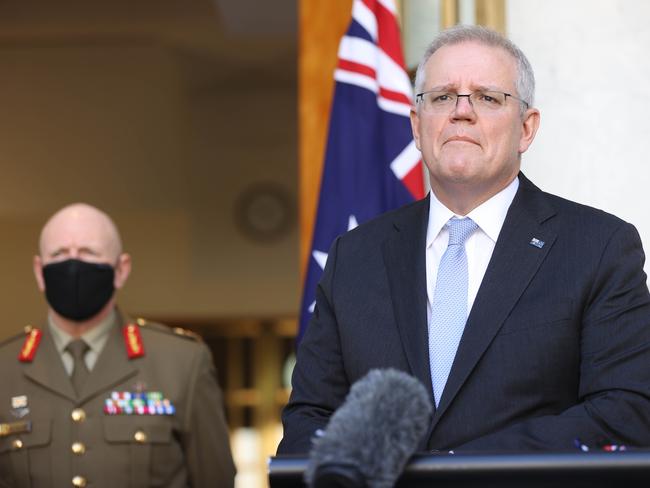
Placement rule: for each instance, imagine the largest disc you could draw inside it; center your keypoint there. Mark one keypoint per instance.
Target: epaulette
(188, 334)
(177, 331)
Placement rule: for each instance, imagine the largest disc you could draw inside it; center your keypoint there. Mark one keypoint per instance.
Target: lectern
(544, 470)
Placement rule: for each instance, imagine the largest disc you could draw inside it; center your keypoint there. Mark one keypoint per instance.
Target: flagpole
(321, 25)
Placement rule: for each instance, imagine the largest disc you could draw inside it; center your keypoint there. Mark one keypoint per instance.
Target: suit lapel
(404, 258)
(112, 366)
(47, 370)
(513, 264)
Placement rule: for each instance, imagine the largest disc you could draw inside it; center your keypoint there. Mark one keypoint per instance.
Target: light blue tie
(449, 307)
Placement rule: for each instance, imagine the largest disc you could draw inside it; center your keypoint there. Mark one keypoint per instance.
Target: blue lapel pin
(536, 242)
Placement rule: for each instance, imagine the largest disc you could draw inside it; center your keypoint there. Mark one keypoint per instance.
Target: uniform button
(78, 448)
(140, 437)
(17, 444)
(79, 481)
(78, 415)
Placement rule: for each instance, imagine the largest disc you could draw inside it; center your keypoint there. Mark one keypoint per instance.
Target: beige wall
(165, 142)
(591, 68)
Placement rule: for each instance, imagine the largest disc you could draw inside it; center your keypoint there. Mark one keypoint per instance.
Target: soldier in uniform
(95, 399)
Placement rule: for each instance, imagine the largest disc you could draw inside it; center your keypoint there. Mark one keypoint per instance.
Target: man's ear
(122, 270)
(38, 272)
(530, 124)
(415, 127)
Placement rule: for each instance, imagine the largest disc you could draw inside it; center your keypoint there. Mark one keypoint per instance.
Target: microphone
(369, 439)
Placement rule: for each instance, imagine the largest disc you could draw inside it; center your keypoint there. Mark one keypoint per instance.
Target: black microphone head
(373, 433)
(337, 475)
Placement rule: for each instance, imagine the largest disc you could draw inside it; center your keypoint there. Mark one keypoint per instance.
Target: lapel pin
(19, 407)
(19, 401)
(536, 242)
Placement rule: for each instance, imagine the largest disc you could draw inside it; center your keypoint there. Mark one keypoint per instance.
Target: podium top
(532, 470)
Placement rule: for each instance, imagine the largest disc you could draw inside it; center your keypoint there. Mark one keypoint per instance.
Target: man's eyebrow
(488, 88)
(453, 88)
(58, 250)
(88, 250)
(83, 249)
(443, 88)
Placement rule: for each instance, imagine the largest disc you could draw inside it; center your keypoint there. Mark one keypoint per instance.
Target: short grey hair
(525, 82)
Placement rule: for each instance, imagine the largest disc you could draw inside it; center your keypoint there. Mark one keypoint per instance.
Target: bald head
(80, 231)
(84, 233)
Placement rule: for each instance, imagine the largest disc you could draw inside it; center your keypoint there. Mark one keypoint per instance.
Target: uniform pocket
(153, 452)
(20, 450)
(137, 429)
(39, 434)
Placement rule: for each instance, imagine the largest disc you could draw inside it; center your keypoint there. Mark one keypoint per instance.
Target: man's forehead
(66, 235)
(79, 226)
(60, 238)
(482, 65)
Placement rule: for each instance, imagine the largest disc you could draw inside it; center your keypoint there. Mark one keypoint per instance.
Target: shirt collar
(489, 216)
(95, 337)
(438, 217)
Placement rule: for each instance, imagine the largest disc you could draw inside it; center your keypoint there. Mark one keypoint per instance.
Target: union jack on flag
(371, 162)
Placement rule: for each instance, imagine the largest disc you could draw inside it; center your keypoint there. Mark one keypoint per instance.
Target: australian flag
(371, 164)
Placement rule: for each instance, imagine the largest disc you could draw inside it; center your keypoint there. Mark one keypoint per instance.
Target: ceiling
(222, 41)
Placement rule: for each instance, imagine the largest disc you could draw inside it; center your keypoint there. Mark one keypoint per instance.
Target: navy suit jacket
(556, 346)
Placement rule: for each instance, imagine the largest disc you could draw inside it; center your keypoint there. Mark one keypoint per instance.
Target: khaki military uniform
(52, 437)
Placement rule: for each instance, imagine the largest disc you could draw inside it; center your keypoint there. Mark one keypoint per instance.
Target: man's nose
(464, 108)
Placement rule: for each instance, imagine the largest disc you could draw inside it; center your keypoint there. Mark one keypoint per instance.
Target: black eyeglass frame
(420, 96)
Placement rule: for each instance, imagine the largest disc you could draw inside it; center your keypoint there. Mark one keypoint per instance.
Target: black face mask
(78, 290)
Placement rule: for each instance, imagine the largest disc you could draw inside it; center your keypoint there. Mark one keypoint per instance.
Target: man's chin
(460, 172)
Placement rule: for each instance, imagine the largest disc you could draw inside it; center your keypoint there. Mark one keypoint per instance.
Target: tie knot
(78, 348)
(460, 230)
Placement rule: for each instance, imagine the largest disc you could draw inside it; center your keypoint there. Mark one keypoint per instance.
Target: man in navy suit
(554, 343)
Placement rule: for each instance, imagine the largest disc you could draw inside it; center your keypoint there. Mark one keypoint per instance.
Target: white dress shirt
(489, 216)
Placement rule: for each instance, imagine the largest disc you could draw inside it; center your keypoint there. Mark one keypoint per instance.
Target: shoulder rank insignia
(133, 341)
(30, 346)
(179, 331)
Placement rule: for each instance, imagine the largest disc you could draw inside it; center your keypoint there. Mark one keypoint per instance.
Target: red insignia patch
(30, 346)
(133, 341)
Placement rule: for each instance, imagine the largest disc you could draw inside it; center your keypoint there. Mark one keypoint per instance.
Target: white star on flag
(321, 257)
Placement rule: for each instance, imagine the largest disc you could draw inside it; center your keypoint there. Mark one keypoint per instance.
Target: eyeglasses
(483, 101)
